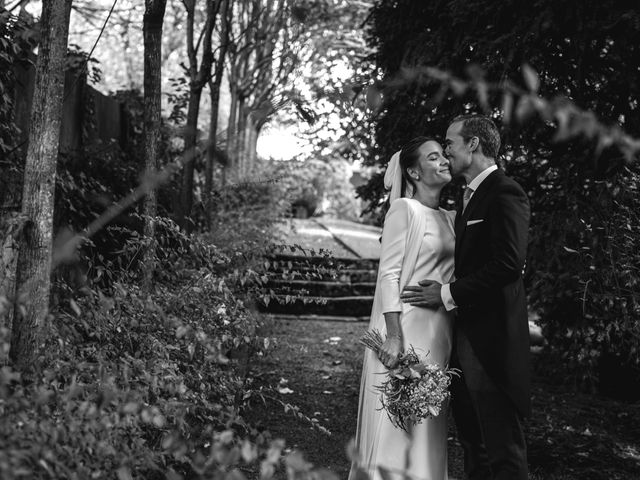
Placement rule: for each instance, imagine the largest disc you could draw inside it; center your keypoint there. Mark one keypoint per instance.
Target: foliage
(17, 39)
(336, 67)
(243, 227)
(81, 63)
(321, 186)
(583, 58)
(589, 289)
(132, 385)
(91, 180)
(131, 382)
(178, 98)
(145, 386)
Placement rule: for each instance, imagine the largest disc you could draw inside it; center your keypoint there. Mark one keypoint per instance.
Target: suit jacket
(491, 245)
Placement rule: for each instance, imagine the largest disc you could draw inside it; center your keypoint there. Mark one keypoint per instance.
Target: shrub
(18, 37)
(150, 385)
(588, 289)
(142, 385)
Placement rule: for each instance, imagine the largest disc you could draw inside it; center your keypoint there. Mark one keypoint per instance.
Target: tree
(214, 91)
(34, 260)
(581, 251)
(121, 45)
(262, 59)
(337, 64)
(153, 18)
(199, 73)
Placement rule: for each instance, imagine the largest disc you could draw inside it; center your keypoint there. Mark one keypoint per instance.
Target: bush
(588, 290)
(143, 386)
(150, 385)
(18, 37)
(134, 382)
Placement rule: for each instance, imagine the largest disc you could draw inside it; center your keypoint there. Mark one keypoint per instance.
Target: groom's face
(457, 150)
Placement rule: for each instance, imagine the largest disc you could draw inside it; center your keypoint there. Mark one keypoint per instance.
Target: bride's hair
(409, 157)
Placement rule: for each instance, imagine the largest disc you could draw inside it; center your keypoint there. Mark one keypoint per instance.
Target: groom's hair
(474, 125)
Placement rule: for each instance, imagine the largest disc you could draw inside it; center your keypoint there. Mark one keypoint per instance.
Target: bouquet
(414, 390)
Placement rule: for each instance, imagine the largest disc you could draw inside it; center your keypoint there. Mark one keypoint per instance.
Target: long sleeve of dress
(394, 237)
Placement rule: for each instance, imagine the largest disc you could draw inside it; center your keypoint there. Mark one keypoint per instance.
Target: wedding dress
(417, 244)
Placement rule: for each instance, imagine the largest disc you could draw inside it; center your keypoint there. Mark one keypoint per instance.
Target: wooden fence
(90, 119)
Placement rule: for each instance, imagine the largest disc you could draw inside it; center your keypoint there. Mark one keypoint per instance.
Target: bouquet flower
(414, 390)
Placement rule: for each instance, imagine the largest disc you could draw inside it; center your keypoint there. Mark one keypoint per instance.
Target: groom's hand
(427, 294)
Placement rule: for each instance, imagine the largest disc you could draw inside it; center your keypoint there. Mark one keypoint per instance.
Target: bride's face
(433, 167)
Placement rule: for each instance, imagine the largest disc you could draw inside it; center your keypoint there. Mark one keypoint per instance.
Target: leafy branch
(517, 103)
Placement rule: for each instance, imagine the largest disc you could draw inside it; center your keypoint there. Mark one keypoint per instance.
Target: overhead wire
(95, 44)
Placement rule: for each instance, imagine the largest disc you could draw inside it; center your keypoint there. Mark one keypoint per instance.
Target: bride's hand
(390, 350)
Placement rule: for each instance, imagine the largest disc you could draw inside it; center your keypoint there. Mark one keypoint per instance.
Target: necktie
(467, 195)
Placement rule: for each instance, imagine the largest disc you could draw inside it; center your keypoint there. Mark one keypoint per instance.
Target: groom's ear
(473, 144)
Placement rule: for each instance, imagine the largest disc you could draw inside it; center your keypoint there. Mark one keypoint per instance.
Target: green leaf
(173, 475)
(374, 99)
(296, 462)
(249, 451)
(74, 306)
(507, 107)
(124, 473)
(235, 474)
(531, 78)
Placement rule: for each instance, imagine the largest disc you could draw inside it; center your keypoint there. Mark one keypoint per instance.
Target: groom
(491, 344)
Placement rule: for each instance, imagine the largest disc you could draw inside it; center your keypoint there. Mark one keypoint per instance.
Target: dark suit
(492, 330)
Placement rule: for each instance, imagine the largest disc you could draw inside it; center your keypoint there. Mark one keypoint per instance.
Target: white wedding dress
(417, 244)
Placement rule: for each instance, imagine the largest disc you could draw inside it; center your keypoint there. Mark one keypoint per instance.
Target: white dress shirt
(445, 291)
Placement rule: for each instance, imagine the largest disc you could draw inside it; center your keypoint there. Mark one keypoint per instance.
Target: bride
(417, 243)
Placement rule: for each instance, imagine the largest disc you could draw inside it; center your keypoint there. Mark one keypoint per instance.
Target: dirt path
(320, 363)
(316, 367)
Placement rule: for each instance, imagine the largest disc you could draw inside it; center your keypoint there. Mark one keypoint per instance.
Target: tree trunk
(33, 277)
(11, 231)
(246, 153)
(253, 132)
(214, 92)
(198, 79)
(152, 31)
(240, 136)
(231, 137)
(190, 140)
